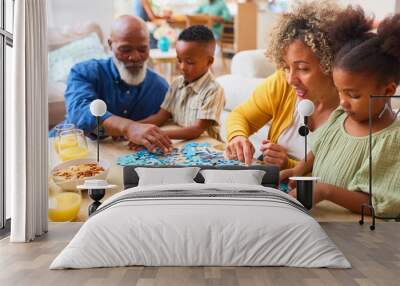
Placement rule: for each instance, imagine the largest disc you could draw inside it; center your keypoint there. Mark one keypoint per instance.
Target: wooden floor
(375, 257)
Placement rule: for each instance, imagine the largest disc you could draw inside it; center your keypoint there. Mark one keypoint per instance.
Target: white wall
(380, 8)
(177, 6)
(74, 12)
(265, 21)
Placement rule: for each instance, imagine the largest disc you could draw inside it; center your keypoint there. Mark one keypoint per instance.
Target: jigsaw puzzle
(190, 154)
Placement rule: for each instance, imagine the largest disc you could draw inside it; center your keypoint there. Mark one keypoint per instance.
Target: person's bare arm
(348, 199)
(115, 125)
(190, 132)
(217, 19)
(340, 196)
(157, 119)
(300, 169)
(149, 11)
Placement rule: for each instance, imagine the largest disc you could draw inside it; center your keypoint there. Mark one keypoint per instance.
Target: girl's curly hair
(308, 22)
(361, 50)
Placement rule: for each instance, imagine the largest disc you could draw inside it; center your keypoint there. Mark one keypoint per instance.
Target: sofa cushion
(58, 37)
(237, 89)
(61, 60)
(252, 64)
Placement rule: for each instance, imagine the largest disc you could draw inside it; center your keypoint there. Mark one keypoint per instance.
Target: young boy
(194, 100)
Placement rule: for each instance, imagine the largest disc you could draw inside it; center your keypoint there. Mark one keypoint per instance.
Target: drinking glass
(64, 206)
(72, 145)
(58, 129)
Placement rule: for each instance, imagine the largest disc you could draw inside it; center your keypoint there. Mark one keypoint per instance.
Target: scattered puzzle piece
(190, 154)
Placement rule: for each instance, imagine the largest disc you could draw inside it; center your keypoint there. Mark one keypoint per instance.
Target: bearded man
(131, 91)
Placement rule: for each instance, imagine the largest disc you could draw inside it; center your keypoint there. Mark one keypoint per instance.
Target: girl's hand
(274, 154)
(285, 174)
(292, 184)
(240, 148)
(320, 193)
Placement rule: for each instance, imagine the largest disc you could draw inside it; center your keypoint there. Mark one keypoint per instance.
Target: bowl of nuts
(68, 175)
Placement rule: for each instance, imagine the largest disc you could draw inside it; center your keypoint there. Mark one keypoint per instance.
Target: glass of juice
(64, 206)
(72, 145)
(60, 128)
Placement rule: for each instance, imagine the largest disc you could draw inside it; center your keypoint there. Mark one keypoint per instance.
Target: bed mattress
(201, 225)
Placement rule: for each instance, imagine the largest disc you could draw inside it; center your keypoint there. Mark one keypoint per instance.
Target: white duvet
(185, 230)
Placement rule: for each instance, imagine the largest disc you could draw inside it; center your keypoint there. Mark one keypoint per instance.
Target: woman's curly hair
(308, 22)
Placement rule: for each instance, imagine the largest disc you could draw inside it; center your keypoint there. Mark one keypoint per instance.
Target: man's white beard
(127, 76)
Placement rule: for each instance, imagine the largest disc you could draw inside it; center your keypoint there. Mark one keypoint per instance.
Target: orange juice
(64, 206)
(74, 152)
(67, 141)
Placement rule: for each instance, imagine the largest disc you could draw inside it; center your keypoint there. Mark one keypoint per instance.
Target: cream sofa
(248, 69)
(66, 46)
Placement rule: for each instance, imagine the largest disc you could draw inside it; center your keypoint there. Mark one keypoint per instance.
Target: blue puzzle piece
(190, 154)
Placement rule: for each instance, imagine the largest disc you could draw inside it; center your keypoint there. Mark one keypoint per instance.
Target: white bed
(201, 224)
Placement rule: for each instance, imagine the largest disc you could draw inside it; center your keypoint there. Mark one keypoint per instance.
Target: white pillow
(249, 177)
(63, 59)
(165, 176)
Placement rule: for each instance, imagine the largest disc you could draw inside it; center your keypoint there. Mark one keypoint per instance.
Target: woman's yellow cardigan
(272, 101)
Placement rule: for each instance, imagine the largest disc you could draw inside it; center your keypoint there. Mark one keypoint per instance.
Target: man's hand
(274, 154)
(134, 147)
(148, 135)
(118, 138)
(240, 148)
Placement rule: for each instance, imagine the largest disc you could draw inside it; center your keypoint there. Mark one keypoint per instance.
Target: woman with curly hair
(303, 53)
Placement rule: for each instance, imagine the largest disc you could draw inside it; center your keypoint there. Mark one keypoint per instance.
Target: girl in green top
(366, 64)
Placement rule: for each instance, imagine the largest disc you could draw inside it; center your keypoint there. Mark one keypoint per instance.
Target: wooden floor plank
(375, 258)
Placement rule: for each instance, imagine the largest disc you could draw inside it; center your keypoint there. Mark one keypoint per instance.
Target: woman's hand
(274, 154)
(240, 148)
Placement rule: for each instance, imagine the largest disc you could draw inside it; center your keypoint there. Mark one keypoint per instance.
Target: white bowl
(73, 183)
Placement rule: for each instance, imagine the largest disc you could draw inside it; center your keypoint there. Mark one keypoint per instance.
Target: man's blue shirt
(100, 79)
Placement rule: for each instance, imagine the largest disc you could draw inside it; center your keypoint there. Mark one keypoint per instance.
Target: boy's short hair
(197, 33)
